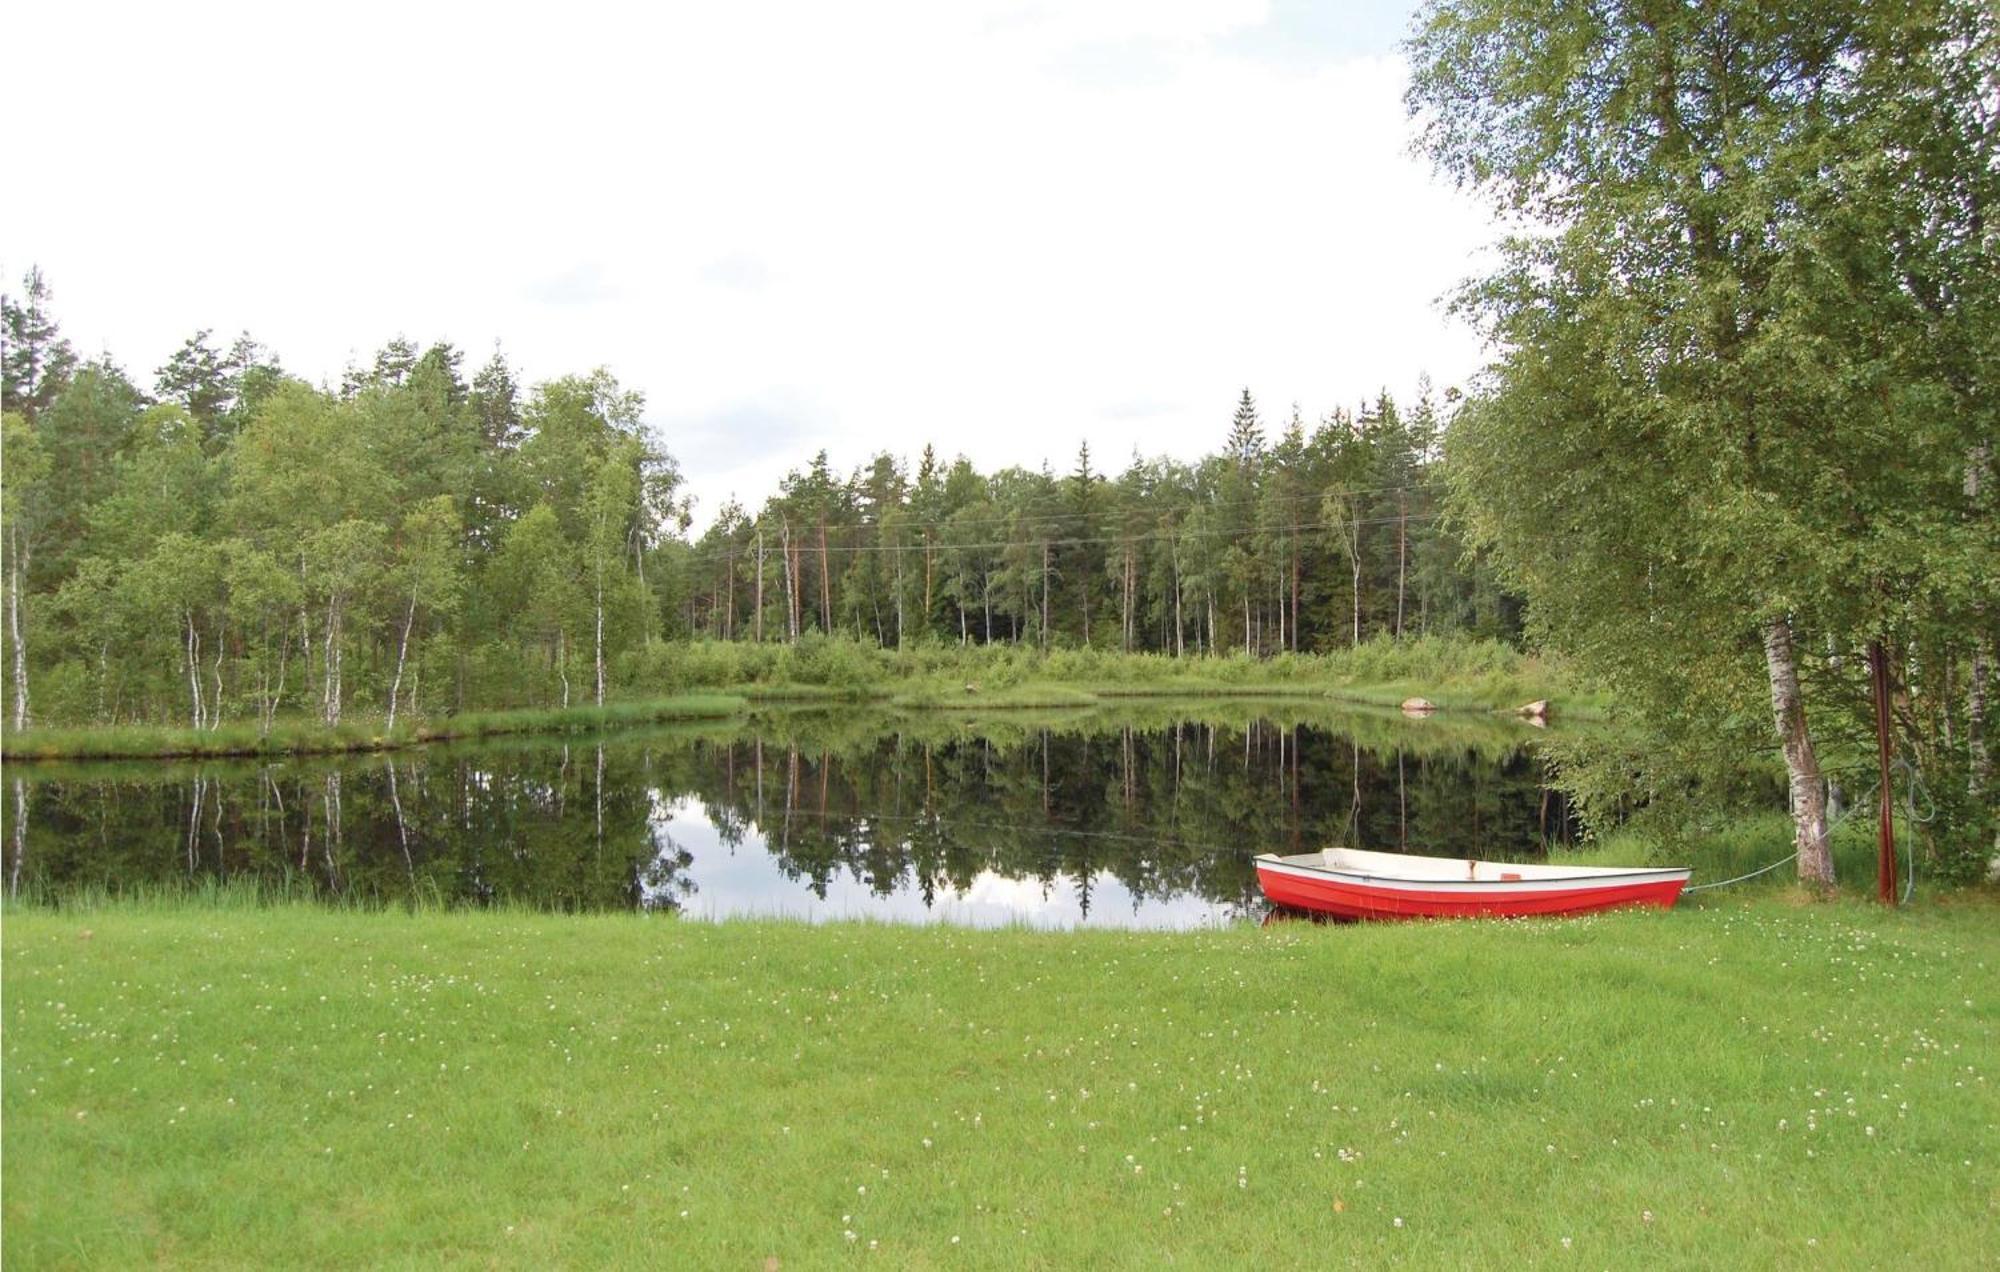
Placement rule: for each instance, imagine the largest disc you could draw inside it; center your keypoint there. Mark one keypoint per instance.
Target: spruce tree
(1246, 435)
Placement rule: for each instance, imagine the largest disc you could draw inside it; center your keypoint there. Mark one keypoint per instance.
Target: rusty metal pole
(1885, 834)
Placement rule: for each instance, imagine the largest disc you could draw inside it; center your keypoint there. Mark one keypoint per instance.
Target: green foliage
(254, 549)
(35, 359)
(1747, 349)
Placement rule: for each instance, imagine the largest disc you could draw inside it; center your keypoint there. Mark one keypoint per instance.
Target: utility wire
(1052, 517)
(808, 549)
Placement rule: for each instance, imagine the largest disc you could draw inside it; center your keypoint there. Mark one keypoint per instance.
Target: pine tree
(394, 362)
(496, 401)
(197, 377)
(36, 360)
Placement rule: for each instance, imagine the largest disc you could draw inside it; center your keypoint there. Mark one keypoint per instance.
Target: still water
(1150, 821)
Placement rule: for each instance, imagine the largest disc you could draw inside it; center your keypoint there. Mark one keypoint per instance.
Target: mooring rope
(1723, 883)
(1913, 783)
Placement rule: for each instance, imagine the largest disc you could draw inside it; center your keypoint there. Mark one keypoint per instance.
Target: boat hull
(1349, 895)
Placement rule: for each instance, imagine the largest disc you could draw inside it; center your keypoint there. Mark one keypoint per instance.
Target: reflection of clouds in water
(663, 880)
(745, 880)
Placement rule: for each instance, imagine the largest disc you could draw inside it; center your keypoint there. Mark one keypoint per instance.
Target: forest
(1732, 457)
(232, 543)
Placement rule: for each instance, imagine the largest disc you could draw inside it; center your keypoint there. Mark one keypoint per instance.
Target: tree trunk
(20, 829)
(562, 663)
(600, 635)
(1355, 556)
(899, 598)
(305, 645)
(1801, 763)
(339, 663)
(215, 676)
(1180, 622)
(791, 604)
(757, 623)
(1125, 602)
(1045, 596)
(645, 596)
(1278, 604)
(329, 694)
(1979, 764)
(191, 647)
(825, 581)
(1084, 587)
(1402, 555)
(278, 694)
(1295, 584)
(402, 653)
(14, 629)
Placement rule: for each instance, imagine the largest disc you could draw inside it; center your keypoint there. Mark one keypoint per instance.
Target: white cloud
(999, 228)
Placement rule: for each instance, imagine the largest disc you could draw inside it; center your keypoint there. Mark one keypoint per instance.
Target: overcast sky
(1000, 227)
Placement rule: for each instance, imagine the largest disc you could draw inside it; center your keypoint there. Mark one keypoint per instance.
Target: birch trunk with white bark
(191, 651)
(215, 678)
(562, 663)
(402, 654)
(15, 631)
(1788, 710)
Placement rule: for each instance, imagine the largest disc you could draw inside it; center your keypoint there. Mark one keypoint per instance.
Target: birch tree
(611, 505)
(424, 577)
(342, 561)
(24, 473)
(1715, 374)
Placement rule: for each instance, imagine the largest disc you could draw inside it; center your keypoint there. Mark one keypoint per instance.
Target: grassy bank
(1453, 673)
(713, 680)
(306, 737)
(1760, 1083)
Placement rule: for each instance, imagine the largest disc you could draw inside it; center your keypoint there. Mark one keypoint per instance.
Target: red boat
(1351, 883)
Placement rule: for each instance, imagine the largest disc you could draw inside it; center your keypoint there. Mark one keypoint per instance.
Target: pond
(1149, 818)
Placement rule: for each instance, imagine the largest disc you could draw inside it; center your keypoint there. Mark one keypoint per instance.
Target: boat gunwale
(1592, 876)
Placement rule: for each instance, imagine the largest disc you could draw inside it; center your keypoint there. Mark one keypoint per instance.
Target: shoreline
(309, 738)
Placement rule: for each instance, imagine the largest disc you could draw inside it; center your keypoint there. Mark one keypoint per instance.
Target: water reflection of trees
(1167, 808)
(1174, 811)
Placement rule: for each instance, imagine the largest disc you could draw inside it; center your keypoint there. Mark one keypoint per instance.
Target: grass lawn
(1749, 1083)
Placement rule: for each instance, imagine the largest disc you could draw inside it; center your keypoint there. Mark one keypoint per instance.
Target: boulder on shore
(1418, 706)
(1537, 710)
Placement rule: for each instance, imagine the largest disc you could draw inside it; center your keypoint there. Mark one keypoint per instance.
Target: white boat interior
(1400, 865)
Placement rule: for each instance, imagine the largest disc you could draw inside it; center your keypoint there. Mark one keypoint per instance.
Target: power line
(731, 555)
(1030, 518)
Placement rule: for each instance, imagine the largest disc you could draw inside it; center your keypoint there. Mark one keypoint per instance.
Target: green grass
(711, 680)
(948, 697)
(306, 737)
(1763, 1083)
